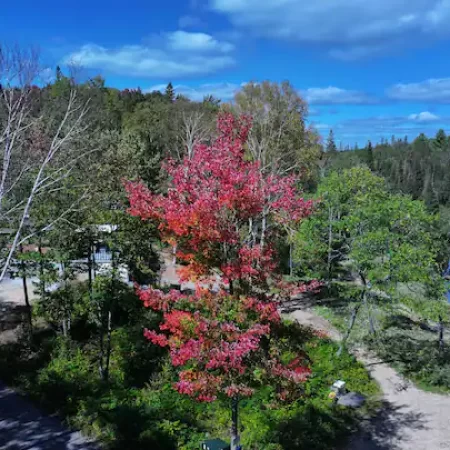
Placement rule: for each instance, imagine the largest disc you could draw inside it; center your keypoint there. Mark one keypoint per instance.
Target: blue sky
(367, 69)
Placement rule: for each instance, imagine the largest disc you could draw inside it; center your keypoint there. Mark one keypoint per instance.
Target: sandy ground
(11, 291)
(410, 419)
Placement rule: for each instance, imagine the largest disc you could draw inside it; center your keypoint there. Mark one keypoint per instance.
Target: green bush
(69, 378)
(139, 408)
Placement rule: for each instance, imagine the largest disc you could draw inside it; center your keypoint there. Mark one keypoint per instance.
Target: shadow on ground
(11, 315)
(306, 301)
(22, 427)
(387, 430)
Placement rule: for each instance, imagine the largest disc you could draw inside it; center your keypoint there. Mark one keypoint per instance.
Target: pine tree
(170, 93)
(393, 141)
(59, 74)
(331, 144)
(370, 155)
(440, 141)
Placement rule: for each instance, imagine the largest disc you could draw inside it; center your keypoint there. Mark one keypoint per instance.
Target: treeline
(418, 168)
(71, 145)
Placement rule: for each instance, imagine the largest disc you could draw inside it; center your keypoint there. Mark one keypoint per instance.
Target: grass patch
(402, 340)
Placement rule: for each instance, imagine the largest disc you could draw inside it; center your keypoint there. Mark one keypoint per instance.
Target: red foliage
(217, 211)
(213, 196)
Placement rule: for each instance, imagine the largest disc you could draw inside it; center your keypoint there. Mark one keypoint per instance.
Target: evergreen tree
(170, 93)
(59, 74)
(440, 141)
(331, 144)
(370, 156)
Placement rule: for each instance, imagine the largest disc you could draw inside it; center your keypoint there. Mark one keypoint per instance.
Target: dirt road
(410, 419)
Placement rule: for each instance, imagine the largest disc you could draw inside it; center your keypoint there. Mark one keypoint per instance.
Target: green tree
(331, 144)
(370, 162)
(385, 240)
(279, 139)
(170, 93)
(440, 142)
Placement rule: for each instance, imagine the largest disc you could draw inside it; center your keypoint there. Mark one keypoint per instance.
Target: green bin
(215, 444)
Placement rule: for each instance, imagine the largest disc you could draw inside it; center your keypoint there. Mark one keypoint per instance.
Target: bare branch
(18, 70)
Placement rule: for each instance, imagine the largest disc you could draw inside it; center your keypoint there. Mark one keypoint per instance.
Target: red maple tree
(219, 212)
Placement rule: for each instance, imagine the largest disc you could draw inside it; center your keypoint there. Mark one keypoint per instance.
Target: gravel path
(23, 427)
(410, 419)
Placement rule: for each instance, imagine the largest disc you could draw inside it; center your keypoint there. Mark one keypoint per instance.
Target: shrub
(68, 378)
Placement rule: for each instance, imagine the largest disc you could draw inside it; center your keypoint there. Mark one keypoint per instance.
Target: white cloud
(432, 90)
(336, 96)
(196, 42)
(424, 116)
(375, 128)
(349, 29)
(222, 91)
(351, 53)
(47, 75)
(173, 55)
(315, 96)
(189, 21)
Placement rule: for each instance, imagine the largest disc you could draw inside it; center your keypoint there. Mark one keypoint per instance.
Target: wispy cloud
(189, 22)
(347, 30)
(377, 127)
(424, 116)
(332, 95)
(196, 42)
(173, 55)
(435, 90)
(322, 126)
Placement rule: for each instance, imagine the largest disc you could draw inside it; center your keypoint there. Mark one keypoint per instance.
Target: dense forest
(251, 208)
(417, 168)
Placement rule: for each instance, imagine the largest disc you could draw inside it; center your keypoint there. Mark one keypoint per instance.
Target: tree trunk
(64, 327)
(330, 240)
(25, 294)
(349, 330)
(90, 273)
(94, 274)
(235, 439)
(41, 268)
(263, 231)
(290, 259)
(369, 314)
(108, 348)
(441, 334)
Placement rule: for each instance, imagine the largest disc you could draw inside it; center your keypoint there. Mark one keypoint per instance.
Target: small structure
(215, 444)
(338, 387)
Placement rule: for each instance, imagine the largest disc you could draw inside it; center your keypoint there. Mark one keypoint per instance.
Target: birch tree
(39, 148)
